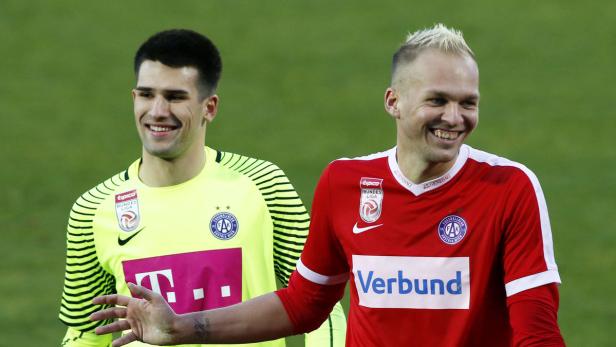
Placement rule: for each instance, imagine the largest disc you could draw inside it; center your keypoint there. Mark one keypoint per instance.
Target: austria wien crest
(371, 201)
(127, 210)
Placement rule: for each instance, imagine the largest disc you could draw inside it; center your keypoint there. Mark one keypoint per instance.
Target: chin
(163, 153)
(443, 155)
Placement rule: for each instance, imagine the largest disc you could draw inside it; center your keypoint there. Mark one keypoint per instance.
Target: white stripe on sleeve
(318, 278)
(532, 281)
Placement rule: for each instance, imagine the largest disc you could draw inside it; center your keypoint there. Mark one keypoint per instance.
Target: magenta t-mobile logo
(191, 281)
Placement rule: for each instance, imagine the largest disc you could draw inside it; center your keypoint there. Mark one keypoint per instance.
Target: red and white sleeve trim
(318, 278)
(532, 281)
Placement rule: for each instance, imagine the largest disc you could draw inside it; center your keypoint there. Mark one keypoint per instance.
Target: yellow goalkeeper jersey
(220, 238)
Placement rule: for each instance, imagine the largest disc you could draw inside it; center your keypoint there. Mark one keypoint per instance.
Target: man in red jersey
(444, 245)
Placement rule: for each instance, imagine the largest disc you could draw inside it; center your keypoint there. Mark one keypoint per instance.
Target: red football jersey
(430, 264)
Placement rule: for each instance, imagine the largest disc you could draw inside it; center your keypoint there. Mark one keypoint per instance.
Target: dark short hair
(182, 47)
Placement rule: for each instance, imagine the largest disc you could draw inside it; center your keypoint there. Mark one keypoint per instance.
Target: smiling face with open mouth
(170, 114)
(435, 101)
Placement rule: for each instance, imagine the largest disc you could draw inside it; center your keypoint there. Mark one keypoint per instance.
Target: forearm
(308, 304)
(533, 317)
(259, 319)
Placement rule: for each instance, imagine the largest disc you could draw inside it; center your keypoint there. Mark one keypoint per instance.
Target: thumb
(140, 292)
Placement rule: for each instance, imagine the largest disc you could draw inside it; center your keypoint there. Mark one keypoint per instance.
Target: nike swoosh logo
(125, 241)
(357, 230)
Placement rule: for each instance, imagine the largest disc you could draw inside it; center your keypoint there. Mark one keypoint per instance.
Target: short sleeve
(323, 261)
(528, 253)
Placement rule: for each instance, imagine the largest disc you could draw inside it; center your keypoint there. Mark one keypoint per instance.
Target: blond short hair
(438, 37)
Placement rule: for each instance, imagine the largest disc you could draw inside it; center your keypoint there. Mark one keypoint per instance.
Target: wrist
(190, 328)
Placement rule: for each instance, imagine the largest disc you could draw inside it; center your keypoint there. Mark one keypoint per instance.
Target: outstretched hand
(149, 320)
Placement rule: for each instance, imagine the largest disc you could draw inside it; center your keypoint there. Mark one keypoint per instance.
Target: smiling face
(170, 114)
(435, 101)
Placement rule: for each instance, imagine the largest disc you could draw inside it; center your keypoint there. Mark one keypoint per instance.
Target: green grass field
(302, 85)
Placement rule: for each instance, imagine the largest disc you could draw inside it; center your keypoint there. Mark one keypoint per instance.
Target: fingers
(122, 300)
(114, 299)
(140, 292)
(109, 313)
(120, 325)
(124, 339)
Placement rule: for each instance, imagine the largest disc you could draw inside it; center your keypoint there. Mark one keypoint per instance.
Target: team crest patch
(371, 201)
(452, 229)
(127, 210)
(224, 225)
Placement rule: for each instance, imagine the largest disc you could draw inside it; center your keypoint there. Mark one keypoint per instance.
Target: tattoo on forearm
(202, 329)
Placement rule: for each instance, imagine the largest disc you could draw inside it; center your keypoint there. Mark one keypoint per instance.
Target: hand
(149, 319)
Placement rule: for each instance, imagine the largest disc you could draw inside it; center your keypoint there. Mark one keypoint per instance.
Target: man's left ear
(210, 108)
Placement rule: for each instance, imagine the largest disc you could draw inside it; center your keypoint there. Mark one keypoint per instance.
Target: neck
(158, 172)
(417, 169)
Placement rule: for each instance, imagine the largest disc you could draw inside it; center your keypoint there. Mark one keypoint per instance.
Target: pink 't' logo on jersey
(193, 281)
(371, 201)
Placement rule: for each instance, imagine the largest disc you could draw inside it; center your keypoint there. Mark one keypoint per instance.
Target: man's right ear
(391, 102)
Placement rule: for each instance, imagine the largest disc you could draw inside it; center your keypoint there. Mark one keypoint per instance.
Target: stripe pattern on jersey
(289, 216)
(84, 278)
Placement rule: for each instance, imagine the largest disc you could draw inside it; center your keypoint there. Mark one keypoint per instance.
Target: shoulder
(500, 168)
(89, 202)
(375, 164)
(369, 159)
(261, 173)
(271, 184)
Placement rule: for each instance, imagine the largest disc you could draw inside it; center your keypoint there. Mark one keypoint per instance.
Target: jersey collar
(208, 167)
(418, 189)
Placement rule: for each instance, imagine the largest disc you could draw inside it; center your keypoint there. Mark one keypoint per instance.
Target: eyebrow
(439, 93)
(165, 91)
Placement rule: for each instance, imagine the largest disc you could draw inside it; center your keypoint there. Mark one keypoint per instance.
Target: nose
(453, 114)
(160, 107)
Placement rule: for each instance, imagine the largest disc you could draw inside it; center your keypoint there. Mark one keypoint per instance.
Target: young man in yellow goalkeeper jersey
(203, 228)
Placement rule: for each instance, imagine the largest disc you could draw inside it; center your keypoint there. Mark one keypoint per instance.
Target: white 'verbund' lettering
(412, 282)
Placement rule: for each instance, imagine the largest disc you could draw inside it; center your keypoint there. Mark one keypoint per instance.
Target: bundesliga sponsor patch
(191, 282)
(127, 210)
(371, 200)
(412, 282)
(452, 229)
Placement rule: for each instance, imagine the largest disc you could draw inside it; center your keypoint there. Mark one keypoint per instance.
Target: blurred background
(303, 84)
